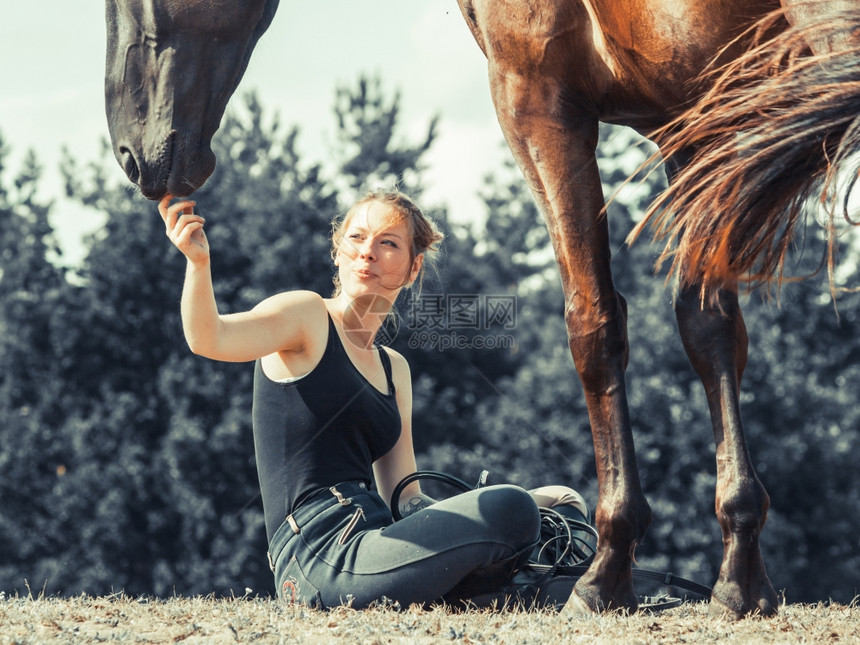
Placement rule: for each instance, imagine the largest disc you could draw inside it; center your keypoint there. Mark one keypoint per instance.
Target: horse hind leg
(715, 340)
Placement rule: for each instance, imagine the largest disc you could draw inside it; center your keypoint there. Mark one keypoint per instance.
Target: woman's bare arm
(277, 324)
(400, 460)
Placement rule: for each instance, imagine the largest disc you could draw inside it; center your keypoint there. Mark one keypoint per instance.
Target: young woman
(332, 415)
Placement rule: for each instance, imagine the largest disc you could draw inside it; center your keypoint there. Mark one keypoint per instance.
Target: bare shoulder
(294, 302)
(299, 318)
(397, 359)
(294, 310)
(400, 372)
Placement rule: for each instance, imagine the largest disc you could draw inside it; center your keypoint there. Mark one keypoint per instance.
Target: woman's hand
(185, 229)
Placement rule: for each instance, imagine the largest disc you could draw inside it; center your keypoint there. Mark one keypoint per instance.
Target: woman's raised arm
(277, 324)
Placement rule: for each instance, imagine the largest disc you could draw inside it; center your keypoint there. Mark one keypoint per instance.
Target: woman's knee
(512, 512)
(558, 496)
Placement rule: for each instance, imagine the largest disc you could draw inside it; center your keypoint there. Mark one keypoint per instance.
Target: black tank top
(326, 427)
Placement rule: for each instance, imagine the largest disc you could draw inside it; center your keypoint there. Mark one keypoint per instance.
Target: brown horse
(557, 68)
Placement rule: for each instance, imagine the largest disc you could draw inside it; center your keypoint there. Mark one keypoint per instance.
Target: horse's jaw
(161, 128)
(167, 84)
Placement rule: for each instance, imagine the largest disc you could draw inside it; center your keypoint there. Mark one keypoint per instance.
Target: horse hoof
(576, 607)
(763, 608)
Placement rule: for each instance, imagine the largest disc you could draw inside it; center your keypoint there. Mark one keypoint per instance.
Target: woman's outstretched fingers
(171, 212)
(184, 228)
(163, 205)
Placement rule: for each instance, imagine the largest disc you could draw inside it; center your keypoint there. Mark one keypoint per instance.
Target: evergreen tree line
(127, 463)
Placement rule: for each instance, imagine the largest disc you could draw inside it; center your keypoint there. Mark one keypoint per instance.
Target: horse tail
(773, 139)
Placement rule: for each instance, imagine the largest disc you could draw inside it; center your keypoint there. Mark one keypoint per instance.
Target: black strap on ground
(645, 575)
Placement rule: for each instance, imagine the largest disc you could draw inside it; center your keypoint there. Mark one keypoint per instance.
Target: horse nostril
(129, 165)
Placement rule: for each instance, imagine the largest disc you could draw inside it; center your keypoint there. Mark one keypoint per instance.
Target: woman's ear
(417, 263)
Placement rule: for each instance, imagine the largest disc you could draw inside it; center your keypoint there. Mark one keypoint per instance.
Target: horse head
(171, 67)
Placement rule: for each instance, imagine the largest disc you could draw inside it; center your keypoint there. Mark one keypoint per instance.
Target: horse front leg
(557, 156)
(715, 339)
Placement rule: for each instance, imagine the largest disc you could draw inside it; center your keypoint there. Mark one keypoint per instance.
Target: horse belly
(630, 62)
(658, 49)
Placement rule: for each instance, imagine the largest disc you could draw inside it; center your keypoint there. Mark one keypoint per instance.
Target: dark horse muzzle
(170, 70)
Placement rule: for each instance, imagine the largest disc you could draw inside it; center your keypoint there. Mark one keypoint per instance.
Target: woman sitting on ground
(332, 416)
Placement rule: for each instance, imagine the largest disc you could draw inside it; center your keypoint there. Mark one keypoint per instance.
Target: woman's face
(374, 253)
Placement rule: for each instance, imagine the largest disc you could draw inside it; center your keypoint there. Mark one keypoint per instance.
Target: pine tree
(32, 457)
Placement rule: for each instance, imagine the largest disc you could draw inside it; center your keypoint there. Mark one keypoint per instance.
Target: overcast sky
(52, 62)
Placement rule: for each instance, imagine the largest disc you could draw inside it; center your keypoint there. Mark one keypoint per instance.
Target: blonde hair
(423, 231)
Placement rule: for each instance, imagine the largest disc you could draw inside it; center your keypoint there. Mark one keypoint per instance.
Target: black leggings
(343, 547)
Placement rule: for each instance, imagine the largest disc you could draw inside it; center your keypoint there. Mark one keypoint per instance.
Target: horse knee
(714, 336)
(743, 509)
(623, 523)
(597, 334)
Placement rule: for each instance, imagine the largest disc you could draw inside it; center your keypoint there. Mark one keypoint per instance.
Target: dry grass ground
(120, 619)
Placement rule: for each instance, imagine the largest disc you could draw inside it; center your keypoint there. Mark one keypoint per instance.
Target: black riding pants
(343, 547)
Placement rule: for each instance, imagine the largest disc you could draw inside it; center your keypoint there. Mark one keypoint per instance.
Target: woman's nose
(365, 250)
